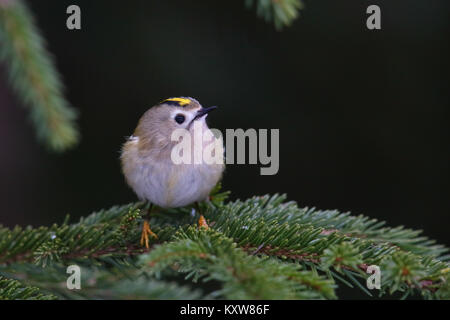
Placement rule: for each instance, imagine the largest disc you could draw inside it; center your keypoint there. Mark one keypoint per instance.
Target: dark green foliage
(263, 247)
(14, 290)
(33, 76)
(281, 12)
(49, 251)
(210, 255)
(341, 255)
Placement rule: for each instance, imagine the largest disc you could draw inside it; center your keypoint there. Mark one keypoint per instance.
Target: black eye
(179, 118)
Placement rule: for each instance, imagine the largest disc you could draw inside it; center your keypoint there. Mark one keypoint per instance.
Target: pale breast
(166, 184)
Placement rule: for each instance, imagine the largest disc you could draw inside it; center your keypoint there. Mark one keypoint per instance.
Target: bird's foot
(202, 222)
(146, 231)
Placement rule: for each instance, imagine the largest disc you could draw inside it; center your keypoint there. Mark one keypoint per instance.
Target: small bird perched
(147, 162)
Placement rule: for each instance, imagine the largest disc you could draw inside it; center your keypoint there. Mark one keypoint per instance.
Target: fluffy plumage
(146, 157)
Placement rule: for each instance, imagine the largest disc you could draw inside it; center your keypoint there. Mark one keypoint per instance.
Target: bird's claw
(202, 222)
(146, 231)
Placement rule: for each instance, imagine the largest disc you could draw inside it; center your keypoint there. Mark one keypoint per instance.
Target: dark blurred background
(363, 115)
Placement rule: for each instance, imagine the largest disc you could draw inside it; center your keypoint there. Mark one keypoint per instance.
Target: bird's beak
(203, 111)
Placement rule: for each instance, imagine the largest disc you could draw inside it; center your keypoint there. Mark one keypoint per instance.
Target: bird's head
(156, 126)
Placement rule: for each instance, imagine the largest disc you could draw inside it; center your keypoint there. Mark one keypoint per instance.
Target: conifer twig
(33, 76)
(281, 12)
(304, 250)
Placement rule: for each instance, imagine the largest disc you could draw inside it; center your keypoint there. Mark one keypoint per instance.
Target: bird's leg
(201, 220)
(146, 231)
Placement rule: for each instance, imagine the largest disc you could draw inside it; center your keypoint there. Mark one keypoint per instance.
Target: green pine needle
(281, 12)
(33, 76)
(260, 248)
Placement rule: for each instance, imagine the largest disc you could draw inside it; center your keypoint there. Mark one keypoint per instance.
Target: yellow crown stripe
(181, 101)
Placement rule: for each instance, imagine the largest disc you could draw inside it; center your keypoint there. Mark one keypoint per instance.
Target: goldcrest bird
(148, 166)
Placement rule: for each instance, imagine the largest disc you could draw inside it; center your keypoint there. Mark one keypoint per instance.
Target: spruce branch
(33, 76)
(306, 252)
(96, 283)
(281, 12)
(12, 290)
(210, 255)
(270, 223)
